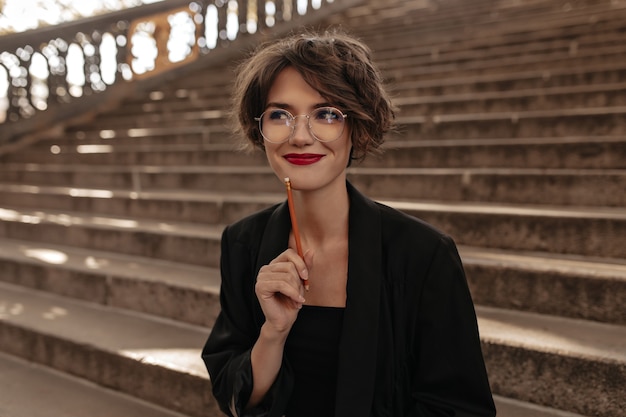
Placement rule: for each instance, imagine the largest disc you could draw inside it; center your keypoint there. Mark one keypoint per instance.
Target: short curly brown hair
(337, 65)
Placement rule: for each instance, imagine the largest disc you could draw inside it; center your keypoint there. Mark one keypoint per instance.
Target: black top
(312, 350)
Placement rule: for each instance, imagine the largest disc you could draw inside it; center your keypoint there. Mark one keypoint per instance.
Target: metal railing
(56, 73)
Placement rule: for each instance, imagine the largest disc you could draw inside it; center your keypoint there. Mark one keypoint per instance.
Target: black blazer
(410, 344)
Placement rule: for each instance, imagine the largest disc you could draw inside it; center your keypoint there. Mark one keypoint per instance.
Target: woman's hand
(280, 290)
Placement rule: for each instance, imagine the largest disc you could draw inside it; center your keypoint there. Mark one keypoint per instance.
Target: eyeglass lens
(325, 124)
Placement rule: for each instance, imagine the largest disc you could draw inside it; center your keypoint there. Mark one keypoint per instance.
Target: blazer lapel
(359, 342)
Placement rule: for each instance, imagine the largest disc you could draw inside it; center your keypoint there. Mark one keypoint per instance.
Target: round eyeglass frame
(293, 127)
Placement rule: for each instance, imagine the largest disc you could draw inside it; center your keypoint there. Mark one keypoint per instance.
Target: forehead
(290, 88)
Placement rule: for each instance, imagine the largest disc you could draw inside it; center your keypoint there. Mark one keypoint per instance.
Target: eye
(278, 114)
(328, 115)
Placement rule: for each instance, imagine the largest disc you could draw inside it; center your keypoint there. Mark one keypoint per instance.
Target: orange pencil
(294, 225)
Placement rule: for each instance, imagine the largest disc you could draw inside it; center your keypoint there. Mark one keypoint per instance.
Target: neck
(322, 214)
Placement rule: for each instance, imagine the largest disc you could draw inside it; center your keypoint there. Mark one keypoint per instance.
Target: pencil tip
(286, 179)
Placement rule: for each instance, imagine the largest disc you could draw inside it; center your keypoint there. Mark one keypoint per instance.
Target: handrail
(53, 74)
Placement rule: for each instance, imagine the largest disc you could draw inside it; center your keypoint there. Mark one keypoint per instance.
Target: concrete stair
(32, 390)
(146, 357)
(512, 139)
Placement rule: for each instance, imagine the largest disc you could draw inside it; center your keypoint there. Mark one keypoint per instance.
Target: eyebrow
(289, 107)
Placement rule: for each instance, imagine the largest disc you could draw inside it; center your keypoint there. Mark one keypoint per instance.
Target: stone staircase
(512, 139)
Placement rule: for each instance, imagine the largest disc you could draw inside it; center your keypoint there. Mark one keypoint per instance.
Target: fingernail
(305, 274)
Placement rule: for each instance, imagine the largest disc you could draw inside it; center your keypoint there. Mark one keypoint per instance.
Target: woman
(387, 326)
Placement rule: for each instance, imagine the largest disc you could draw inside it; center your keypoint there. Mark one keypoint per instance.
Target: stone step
(182, 91)
(405, 41)
(582, 231)
(572, 39)
(32, 390)
(186, 85)
(507, 407)
(548, 98)
(570, 286)
(546, 60)
(144, 356)
(572, 365)
(173, 241)
(575, 230)
(121, 152)
(66, 396)
(210, 114)
(594, 121)
(475, 25)
(579, 187)
(497, 185)
(371, 13)
(522, 22)
(74, 335)
(489, 27)
(177, 291)
(604, 73)
(213, 117)
(210, 99)
(575, 152)
(569, 152)
(190, 133)
(204, 207)
(502, 56)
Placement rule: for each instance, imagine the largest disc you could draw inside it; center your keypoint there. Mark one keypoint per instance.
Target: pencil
(294, 225)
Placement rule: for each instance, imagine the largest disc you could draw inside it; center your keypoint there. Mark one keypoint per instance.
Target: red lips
(303, 158)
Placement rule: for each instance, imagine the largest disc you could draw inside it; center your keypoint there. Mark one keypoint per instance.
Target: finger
(269, 288)
(290, 255)
(282, 270)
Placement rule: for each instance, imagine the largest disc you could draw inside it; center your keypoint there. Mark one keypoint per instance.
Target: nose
(301, 133)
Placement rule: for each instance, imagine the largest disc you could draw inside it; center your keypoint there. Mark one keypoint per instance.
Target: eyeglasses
(326, 124)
